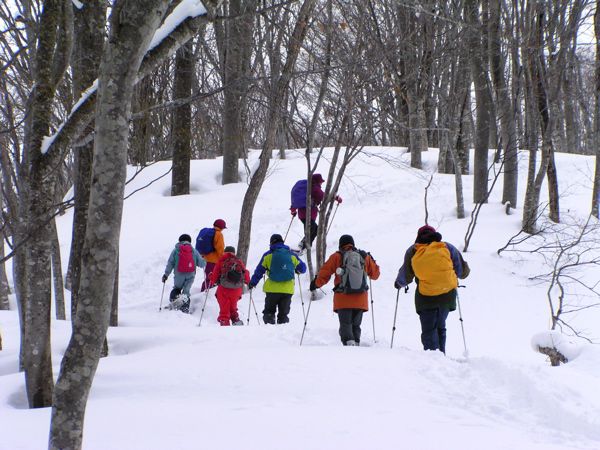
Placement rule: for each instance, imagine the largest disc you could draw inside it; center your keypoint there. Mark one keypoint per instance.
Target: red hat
(427, 234)
(317, 178)
(220, 223)
(426, 229)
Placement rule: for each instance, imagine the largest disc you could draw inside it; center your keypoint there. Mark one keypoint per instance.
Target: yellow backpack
(433, 267)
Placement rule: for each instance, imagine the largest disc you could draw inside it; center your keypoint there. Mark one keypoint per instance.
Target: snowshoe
(237, 322)
(181, 303)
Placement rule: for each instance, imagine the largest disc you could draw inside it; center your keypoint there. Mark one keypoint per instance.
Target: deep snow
(169, 384)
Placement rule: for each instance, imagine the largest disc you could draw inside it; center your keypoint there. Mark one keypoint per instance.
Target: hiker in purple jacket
(299, 199)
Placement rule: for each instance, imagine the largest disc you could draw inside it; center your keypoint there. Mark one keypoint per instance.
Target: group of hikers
(435, 265)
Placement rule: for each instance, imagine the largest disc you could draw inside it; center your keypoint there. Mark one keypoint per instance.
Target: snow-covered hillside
(169, 384)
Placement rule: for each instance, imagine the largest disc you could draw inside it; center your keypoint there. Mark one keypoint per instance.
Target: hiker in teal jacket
(183, 279)
(280, 264)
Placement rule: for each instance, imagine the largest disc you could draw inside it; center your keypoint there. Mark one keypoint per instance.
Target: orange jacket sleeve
(371, 268)
(219, 243)
(328, 269)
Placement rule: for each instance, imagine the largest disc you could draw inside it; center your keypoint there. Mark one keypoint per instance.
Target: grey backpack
(352, 273)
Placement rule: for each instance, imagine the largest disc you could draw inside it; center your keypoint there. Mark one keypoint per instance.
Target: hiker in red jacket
(230, 274)
(299, 199)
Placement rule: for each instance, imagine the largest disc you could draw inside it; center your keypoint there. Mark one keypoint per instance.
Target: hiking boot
(237, 322)
(224, 323)
(351, 343)
(269, 319)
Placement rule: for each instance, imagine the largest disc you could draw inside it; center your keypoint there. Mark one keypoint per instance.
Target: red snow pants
(228, 300)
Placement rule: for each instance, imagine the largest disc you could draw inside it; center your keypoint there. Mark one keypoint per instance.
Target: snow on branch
(186, 10)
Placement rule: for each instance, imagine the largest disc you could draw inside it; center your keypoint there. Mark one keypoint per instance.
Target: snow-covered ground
(169, 384)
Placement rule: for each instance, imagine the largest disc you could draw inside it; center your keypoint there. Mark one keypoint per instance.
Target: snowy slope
(170, 384)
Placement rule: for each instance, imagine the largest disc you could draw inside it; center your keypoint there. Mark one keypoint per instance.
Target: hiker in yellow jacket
(436, 266)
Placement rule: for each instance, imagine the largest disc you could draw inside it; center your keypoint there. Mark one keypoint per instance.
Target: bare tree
(181, 125)
(89, 24)
(274, 113)
(36, 201)
(132, 25)
(596, 188)
(483, 97)
(504, 108)
(236, 43)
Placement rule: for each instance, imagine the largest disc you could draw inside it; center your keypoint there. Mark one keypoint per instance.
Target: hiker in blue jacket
(183, 260)
(280, 264)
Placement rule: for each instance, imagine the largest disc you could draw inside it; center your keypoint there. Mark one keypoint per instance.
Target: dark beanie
(427, 234)
(346, 239)
(229, 249)
(185, 238)
(275, 239)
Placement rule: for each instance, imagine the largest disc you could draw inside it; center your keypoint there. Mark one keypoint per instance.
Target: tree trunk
(132, 25)
(141, 133)
(4, 288)
(484, 103)
(596, 188)
(417, 130)
(89, 23)
(237, 52)
(504, 110)
(59, 293)
(275, 105)
(36, 201)
(182, 121)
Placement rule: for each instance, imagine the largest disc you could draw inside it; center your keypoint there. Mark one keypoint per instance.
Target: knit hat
(427, 234)
(229, 249)
(185, 238)
(346, 239)
(275, 239)
(220, 223)
(317, 178)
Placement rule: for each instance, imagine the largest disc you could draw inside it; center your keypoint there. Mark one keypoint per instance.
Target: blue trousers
(433, 328)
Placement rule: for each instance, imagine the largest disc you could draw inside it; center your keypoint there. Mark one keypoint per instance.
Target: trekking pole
(466, 352)
(372, 309)
(249, 303)
(332, 217)
(288, 230)
(204, 305)
(301, 297)
(305, 320)
(255, 311)
(395, 313)
(161, 296)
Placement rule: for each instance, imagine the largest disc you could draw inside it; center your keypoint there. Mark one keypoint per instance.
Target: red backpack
(185, 262)
(232, 273)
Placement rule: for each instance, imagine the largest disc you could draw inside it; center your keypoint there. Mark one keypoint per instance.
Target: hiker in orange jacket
(213, 257)
(349, 301)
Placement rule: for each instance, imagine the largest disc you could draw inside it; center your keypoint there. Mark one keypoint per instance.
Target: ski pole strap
(406, 289)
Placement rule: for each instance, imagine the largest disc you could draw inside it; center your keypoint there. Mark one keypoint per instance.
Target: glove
(251, 286)
(293, 211)
(397, 285)
(297, 271)
(338, 199)
(164, 278)
(313, 285)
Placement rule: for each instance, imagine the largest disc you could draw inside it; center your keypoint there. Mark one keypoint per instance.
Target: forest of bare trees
(83, 93)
